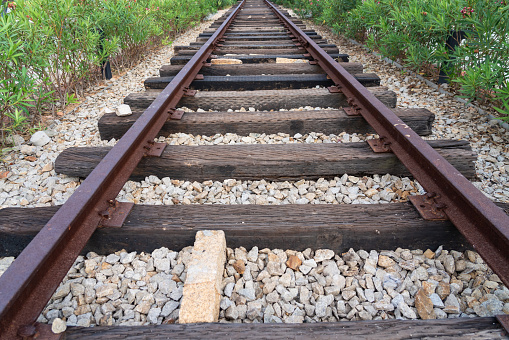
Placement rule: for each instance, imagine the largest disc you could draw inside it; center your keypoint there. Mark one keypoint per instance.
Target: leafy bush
(50, 50)
(482, 67)
(415, 32)
(21, 89)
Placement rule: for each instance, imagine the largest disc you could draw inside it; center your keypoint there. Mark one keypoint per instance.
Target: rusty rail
(30, 281)
(484, 224)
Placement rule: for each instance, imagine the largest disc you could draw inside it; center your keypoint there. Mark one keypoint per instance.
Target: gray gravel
(263, 285)
(321, 286)
(121, 289)
(340, 190)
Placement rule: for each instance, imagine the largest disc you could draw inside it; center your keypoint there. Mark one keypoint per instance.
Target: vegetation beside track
(51, 50)
(414, 32)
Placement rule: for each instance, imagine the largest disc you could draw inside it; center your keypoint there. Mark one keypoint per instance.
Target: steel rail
(483, 224)
(30, 281)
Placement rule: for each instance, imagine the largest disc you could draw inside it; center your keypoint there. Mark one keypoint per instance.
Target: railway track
(253, 37)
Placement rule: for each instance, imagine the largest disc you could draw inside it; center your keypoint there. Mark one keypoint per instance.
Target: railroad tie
(274, 100)
(259, 69)
(243, 123)
(264, 161)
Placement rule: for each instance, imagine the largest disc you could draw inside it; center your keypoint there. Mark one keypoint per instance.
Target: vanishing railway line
(253, 36)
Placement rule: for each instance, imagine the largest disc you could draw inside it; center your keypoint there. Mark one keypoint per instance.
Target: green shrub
(21, 89)
(482, 67)
(415, 31)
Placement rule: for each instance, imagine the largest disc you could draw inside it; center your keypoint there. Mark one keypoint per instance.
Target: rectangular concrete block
(225, 61)
(200, 302)
(291, 61)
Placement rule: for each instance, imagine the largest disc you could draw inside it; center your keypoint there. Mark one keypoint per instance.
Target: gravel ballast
(121, 289)
(319, 286)
(276, 286)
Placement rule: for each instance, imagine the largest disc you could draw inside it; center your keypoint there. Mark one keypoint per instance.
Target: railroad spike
(439, 206)
(27, 331)
(176, 114)
(334, 89)
(188, 92)
(156, 150)
(116, 215)
(351, 111)
(430, 194)
(104, 214)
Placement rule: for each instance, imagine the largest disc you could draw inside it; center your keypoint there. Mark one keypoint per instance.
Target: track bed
(255, 72)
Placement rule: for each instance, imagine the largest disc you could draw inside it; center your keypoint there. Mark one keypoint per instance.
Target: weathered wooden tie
(250, 37)
(256, 31)
(265, 31)
(464, 328)
(336, 227)
(265, 46)
(254, 83)
(232, 49)
(286, 41)
(244, 123)
(259, 69)
(265, 161)
(260, 100)
(262, 58)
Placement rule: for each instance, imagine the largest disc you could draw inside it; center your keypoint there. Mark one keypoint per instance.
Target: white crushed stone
(124, 288)
(260, 286)
(263, 285)
(340, 190)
